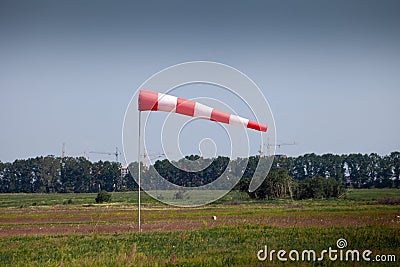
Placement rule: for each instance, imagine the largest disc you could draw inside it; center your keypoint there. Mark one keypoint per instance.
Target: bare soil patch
(108, 220)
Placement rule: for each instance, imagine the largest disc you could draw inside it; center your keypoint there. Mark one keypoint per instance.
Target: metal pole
(140, 115)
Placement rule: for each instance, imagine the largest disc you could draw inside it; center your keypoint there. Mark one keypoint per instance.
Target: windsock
(154, 101)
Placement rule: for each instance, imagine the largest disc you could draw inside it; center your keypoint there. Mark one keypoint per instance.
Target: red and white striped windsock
(149, 100)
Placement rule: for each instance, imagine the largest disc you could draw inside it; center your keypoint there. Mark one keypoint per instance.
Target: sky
(330, 70)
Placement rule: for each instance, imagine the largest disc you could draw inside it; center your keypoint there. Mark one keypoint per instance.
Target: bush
(67, 202)
(319, 188)
(276, 185)
(103, 196)
(180, 194)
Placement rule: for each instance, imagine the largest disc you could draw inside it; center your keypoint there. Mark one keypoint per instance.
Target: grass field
(70, 230)
(372, 194)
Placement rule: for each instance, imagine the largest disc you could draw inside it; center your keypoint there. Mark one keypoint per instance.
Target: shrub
(319, 187)
(103, 196)
(180, 194)
(67, 202)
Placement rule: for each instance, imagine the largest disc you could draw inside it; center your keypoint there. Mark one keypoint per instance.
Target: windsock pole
(139, 228)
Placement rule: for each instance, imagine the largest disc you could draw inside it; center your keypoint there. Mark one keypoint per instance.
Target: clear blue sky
(329, 69)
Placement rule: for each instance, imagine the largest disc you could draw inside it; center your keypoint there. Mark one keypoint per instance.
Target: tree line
(55, 175)
(324, 176)
(355, 170)
(306, 176)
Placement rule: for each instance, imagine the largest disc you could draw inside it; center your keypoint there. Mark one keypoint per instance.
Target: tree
(21, 175)
(394, 163)
(319, 187)
(277, 184)
(4, 179)
(106, 175)
(49, 173)
(75, 175)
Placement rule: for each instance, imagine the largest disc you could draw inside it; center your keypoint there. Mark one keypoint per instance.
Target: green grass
(225, 246)
(229, 245)
(234, 197)
(128, 198)
(26, 200)
(372, 194)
